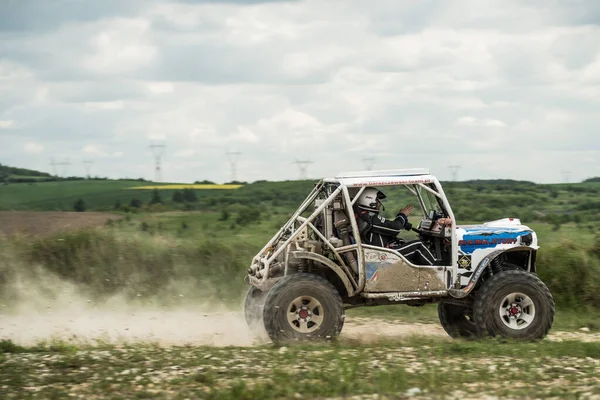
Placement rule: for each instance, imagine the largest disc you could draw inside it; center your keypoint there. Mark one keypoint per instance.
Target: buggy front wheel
(514, 304)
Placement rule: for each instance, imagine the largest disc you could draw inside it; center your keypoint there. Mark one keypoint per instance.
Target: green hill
(12, 174)
(471, 201)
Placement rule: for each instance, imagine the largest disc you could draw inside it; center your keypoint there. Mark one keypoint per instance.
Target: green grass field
(481, 201)
(60, 196)
(417, 367)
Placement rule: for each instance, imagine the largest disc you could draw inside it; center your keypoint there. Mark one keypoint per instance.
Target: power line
(233, 157)
(454, 170)
(88, 168)
(157, 151)
(303, 168)
(55, 164)
(369, 163)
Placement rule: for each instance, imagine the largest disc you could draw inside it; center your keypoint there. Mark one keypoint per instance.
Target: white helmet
(370, 198)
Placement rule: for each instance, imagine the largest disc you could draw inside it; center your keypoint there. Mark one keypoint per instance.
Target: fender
(485, 263)
(307, 255)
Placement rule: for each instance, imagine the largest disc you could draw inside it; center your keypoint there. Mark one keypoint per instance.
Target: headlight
(527, 239)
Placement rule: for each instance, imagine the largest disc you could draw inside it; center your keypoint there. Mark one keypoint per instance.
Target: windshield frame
(424, 193)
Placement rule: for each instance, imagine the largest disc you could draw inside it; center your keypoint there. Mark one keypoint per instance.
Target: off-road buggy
(484, 278)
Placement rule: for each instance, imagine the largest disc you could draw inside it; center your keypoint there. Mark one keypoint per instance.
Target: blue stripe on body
(470, 243)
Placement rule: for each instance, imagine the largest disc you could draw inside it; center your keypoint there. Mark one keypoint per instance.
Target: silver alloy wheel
(517, 311)
(305, 314)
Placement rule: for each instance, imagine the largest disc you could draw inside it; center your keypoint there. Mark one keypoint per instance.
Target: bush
(224, 215)
(572, 273)
(178, 197)
(247, 215)
(79, 205)
(189, 195)
(156, 199)
(136, 203)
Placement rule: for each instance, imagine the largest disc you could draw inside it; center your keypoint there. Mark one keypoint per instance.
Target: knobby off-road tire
(253, 306)
(457, 321)
(303, 307)
(516, 305)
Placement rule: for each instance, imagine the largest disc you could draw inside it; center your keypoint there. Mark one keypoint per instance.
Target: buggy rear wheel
(253, 306)
(303, 307)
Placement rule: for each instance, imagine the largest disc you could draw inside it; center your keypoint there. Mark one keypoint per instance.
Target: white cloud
(186, 153)
(103, 105)
(329, 81)
(160, 137)
(160, 87)
(33, 148)
(121, 46)
(487, 123)
(93, 150)
(245, 134)
(6, 124)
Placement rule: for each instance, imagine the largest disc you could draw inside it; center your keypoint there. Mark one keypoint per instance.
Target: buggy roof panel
(384, 178)
(384, 173)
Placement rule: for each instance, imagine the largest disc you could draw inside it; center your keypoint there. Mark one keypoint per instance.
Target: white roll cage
(413, 180)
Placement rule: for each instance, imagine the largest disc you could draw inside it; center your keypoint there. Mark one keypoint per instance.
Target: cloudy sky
(503, 88)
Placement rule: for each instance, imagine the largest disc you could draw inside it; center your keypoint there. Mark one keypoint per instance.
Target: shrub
(247, 215)
(189, 195)
(178, 197)
(136, 203)
(224, 215)
(572, 273)
(79, 205)
(156, 199)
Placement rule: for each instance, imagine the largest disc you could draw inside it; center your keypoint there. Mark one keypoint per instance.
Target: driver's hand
(445, 221)
(406, 210)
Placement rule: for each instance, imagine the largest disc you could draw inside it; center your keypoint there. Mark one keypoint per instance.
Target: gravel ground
(412, 368)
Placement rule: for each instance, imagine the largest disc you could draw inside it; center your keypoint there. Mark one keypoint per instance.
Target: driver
(378, 231)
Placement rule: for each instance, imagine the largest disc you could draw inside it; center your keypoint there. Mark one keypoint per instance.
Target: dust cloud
(105, 325)
(50, 309)
(46, 309)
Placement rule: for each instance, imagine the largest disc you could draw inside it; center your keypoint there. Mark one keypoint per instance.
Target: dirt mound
(41, 223)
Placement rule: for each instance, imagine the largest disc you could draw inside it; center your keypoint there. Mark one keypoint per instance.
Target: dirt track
(39, 223)
(190, 327)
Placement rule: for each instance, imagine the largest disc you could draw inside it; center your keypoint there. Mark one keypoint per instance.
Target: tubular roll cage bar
(265, 257)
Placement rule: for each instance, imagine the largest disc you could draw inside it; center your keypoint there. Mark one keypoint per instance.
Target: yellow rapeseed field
(190, 186)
